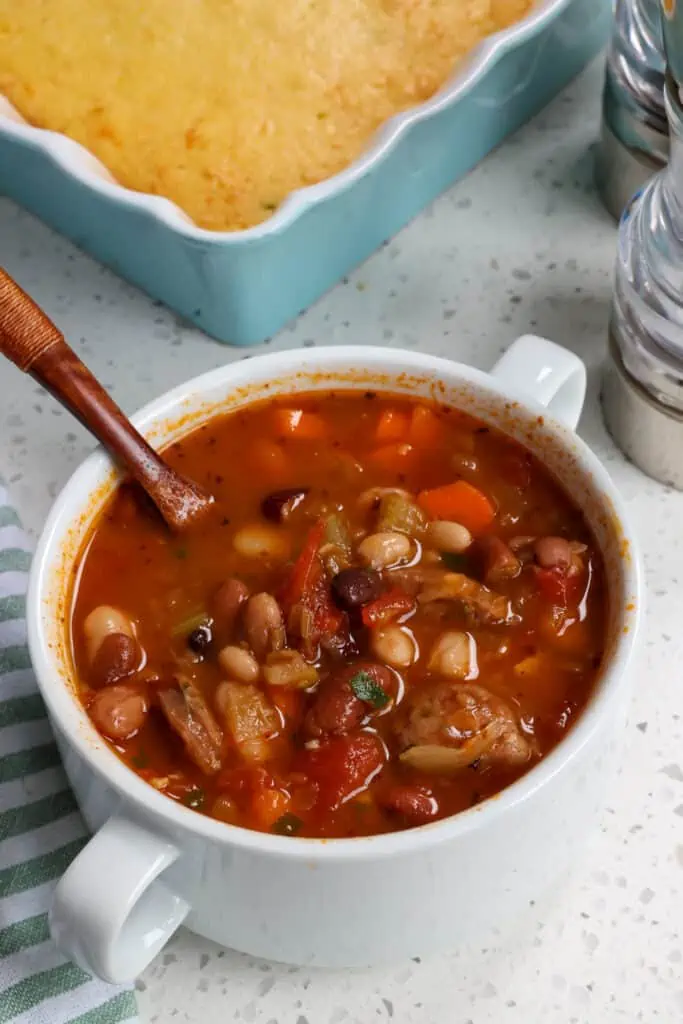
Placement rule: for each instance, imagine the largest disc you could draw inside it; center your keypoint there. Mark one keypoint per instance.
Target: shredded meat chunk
(485, 606)
(188, 714)
(450, 725)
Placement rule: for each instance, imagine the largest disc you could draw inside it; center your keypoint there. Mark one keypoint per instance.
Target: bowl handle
(110, 913)
(552, 375)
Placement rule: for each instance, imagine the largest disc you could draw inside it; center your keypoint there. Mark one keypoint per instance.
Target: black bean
(199, 639)
(279, 505)
(352, 588)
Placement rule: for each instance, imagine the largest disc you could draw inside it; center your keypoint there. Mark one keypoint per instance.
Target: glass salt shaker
(642, 392)
(634, 136)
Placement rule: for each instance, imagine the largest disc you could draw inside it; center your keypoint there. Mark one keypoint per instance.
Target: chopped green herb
(455, 563)
(193, 798)
(365, 688)
(180, 552)
(287, 825)
(140, 759)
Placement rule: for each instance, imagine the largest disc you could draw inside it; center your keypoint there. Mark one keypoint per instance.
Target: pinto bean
(336, 708)
(102, 622)
(263, 625)
(117, 657)
(227, 603)
(553, 552)
(415, 804)
(119, 711)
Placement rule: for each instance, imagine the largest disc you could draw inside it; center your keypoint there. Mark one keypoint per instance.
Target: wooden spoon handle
(30, 339)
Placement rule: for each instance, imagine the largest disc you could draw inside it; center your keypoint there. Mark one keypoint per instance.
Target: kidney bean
(336, 709)
(553, 552)
(352, 588)
(414, 803)
(500, 562)
(279, 505)
(119, 711)
(117, 657)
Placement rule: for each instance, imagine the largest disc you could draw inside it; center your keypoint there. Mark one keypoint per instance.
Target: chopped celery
(398, 513)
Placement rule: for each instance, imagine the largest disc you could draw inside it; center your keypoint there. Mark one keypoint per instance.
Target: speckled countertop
(522, 243)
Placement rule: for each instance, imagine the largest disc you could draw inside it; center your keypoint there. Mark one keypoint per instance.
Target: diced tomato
(426, 429)
(288, 701)
(303, 571)
(557, 587)
(308, 586)
(389, 606)
(393, 425)
(308, 426)
(342, 766)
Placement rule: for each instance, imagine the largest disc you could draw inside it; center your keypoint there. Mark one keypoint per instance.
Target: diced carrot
(307, 426)
(270, 804)
(460, 501)
(393, 425)
(426, 429)
(269, 459)
(392, 458)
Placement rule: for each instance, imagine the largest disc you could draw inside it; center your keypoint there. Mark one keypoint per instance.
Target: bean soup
(393, 612)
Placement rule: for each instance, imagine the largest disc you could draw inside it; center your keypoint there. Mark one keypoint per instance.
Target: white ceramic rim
(79, 163)
(104, 762)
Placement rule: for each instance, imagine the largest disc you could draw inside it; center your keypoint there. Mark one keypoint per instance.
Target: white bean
(384, 550)
(447, 536)
(238, 664)
(102, 622)
(454, 655)
(258, 540)
(395, 646)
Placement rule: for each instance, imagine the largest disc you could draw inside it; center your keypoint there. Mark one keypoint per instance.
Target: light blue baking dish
(243, 286)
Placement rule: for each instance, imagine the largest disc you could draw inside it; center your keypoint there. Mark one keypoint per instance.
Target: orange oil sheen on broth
(335, 446)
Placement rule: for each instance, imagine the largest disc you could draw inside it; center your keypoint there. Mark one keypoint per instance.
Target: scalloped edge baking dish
(243, 286)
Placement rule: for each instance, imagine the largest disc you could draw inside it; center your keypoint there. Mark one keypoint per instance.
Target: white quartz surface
(521, 244)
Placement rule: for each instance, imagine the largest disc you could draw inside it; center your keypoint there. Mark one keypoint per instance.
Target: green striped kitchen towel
(40, 829)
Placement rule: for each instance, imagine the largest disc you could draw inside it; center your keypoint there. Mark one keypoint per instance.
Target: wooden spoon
(30, 339)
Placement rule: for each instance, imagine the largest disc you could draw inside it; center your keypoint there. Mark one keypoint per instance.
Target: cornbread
(226, 106)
